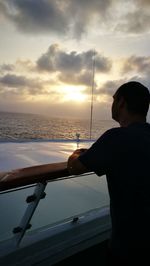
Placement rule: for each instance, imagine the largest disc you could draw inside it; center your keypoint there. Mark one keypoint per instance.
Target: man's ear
(121, 102)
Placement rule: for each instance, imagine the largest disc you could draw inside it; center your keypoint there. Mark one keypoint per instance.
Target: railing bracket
(17, 229)
(43, 195)
(29, 226)
(31, 198)
(75, 219)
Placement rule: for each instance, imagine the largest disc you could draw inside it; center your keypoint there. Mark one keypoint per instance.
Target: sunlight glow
(73, 93)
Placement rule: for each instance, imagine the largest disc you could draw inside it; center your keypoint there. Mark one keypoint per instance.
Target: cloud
(18, 66)
(143, 3)
(136, 22)
(60, 16)
(7, 68)
(109, 87)
(72, 67)
(46, 62)
(138, 64)
(13, 80)
(24, 65)
(21, 85)
(137, 18)
(82, 78)
(3, 10)
(83, 13)
(36, 16)
(54, 67)
(75, 17)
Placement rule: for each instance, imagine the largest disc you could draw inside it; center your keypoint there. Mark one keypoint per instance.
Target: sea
(25, 127)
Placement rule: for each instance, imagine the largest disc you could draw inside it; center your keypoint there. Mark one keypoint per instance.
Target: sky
(47, 50)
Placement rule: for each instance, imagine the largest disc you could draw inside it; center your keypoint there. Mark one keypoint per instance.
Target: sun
(73, 93)
(75, 96)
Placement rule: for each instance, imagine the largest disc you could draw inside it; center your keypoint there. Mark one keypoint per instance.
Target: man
(123, 154)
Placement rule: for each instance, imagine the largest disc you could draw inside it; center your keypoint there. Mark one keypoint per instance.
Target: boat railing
(37, 176)
(31, 175)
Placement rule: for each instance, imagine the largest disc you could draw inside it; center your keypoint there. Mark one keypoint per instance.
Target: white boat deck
(24, 154)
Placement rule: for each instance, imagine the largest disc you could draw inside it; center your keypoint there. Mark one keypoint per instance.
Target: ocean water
(24, 127)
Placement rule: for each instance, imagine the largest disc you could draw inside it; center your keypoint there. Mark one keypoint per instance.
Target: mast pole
(92, 90)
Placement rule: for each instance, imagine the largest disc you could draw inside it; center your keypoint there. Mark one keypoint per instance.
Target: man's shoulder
(113, 132)
(125, 131)
(129, 133)
(111, 136)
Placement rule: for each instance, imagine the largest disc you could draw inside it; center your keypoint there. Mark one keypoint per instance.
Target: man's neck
(125, 122)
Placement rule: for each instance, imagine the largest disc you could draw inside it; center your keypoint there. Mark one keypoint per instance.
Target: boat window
(70, 198)
(12, 209)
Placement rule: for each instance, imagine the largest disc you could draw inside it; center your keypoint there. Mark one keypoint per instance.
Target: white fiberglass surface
(23, 154)
(64, 199)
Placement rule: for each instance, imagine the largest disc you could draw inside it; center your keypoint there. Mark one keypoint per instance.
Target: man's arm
(75, 167)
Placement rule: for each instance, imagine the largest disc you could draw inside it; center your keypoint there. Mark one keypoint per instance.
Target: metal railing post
(32, 201)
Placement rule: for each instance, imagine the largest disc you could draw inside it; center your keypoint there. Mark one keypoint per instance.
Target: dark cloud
(84, 12)
(109, 87)
(13, 80)
(84, 78)
(3, 10)
(135, 22)
(102, 64)
(137, 64)
(22, 84)
(143, 3)
(36, 16)
(75, 16)
(45, 62)
(60, 16)
(21, 65)
(72, 67)
(57, 60)
(63, 67)
(7, 67)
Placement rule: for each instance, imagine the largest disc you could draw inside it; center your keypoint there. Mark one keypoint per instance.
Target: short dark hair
(136, 95)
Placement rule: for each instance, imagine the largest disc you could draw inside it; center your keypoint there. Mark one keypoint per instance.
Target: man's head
(133, 97)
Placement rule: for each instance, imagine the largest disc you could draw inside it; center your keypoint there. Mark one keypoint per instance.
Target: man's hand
(75, 167)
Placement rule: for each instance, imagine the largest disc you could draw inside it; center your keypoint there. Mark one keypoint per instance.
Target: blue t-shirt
(123, 154)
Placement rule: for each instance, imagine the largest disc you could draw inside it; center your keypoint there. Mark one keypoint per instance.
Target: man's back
(129, 184)
(123, 154)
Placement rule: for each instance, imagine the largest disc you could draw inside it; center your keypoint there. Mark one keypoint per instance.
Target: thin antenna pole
(92, 90)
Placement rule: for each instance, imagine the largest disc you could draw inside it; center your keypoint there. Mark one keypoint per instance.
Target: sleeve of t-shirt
(98, 158)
